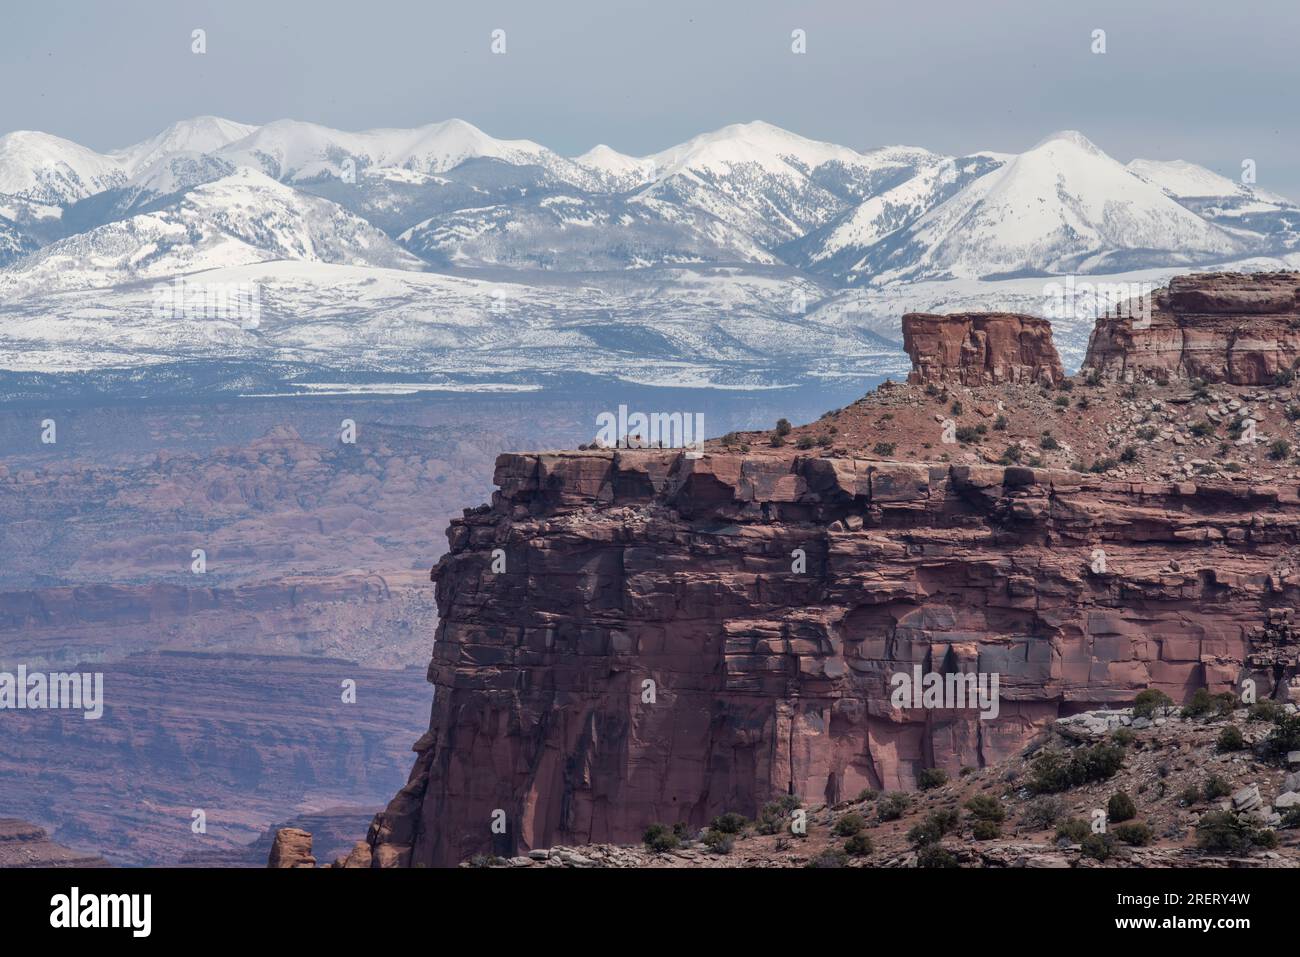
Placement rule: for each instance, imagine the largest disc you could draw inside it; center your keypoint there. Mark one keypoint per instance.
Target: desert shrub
(1230, 739)
(1073, 830)
(776, 441)
(1042, 812)
(868, 794)
(775, 815)
(660, 838)
(1000, 423)
(831, 857)
(1284, 737)
(719, 842)
(783, 427)
(1148, 702)
(1191, 795)
(859, 845)
(956, 408)
(1134, 833)
(934, 856)
(1201, 429)
(729, 823)
(805, 442)
(983, 830)
(1222, 832)
(1291, 818)
(1120, 807)
(967, 433)
(1279, 449)
(1124, 737)
(933, 828)
(1129, 454)
(1203, 704)
(824, 440)
(1062, 402)
(1266, 710)
(850, 824)
(1147, 433)
(892, 806)
(985, 808)
(1053, 771)
(884, 448)
(1216, 786)
(1098, 846)
(931, 778)
(1048, 441)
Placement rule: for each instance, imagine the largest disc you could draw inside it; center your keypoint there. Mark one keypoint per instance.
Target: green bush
(934, 856)
(1098, 846)
(931, 778)
(1073, 830)
(1203, 704)
(1216, 786)
(884, 448)
(1120, 807)
(1222, 832)
(867, 794)
(1266, 710)
(805, 442)
(1191, 795)
(1148, 702)
(1284, 737)
(984, 830)
(831, 857)
(660, 838)
(1053, 771)
(859, 845)
(892, 806)
(985, 808)
(1042, 812)
(719, 842)
(730, 823)
(850, 824)
(1000, 423)
(1124, 737)
(775, 815)
(1048, 441)
(783, 427)
(1134, 833)
(1230, 739)
(933, 828)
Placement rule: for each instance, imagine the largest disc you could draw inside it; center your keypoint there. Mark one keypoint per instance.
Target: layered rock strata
(978, 348)
(769, 676)
(1242, 329)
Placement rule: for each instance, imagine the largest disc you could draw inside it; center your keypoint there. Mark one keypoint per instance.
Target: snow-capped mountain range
(747, 255)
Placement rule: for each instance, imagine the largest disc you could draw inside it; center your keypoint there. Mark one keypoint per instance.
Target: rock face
(768, 677)
(26, 845)
(292, 848)
(1222, 327)
(980, 349)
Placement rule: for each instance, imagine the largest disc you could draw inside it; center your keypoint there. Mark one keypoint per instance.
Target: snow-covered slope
(290, 150)
(843, 247)
(1244, 209)
(616, 171)
(770, 183)
(201, 134)
(244, 218)
(49, 170)
(575, 232)
(1062, 206)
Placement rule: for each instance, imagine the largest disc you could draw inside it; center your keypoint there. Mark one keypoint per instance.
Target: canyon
(633, 636)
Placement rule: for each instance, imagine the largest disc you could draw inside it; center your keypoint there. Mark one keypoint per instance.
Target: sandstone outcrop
(1237, 328)
(292, 848)
(976, 348)
(26, 845)
(628, 567)
(638, 636)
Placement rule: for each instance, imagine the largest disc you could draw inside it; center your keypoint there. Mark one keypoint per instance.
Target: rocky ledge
(637, 636)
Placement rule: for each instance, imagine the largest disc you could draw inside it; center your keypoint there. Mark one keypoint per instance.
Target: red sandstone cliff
(1238, 328)
(654, 650)
(972, 348)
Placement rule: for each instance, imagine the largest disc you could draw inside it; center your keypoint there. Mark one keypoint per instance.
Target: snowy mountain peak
(199, 134)
(42, 168)
(1068, 138)
(773, 149)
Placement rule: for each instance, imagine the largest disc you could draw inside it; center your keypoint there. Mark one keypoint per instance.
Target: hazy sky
(1211, 82)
